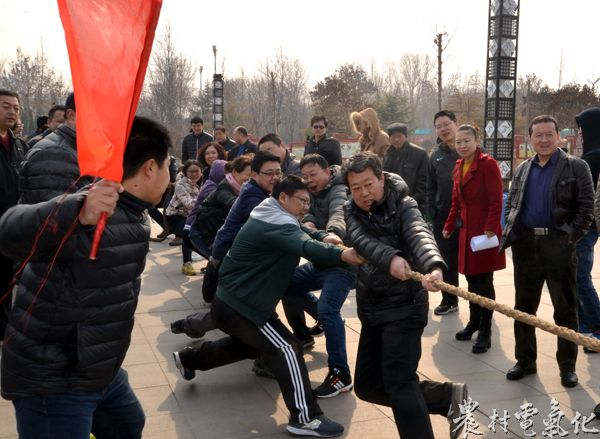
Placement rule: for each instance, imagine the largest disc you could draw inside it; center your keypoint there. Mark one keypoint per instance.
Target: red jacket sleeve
(493, 186)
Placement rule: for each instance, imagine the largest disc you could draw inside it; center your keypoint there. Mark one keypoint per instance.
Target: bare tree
(415, 72)
(37, 83)
(169, 88)
(465, 95)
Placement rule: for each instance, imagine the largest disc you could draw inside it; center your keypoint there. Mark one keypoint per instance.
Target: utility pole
(200, 90)
(560, 71)
(274, 91)
(439, 42)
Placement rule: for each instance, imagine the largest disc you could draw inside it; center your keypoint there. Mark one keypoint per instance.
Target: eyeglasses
(271, 174)
(319, 127)
(304, 201)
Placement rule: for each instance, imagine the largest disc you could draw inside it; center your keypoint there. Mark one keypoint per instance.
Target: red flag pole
(100, 226)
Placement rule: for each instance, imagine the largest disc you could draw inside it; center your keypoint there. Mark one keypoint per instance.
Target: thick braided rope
(561, 331)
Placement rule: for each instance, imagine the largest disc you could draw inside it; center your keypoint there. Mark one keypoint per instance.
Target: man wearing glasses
(322, 144)
(439, 200)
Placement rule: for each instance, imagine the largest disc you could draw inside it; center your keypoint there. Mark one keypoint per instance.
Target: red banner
(109, 44)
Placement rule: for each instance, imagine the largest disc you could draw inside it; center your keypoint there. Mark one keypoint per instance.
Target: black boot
(467, 333)
(484, 337)
(473, 325)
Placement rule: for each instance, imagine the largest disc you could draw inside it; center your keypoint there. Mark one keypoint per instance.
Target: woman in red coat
(476, 210)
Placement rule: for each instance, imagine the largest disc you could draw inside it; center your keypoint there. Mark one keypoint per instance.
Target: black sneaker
(443, 309)
(317, 330)
(319, 426)
(335, 383)
(179, 357)
(178, 326)
(460, 394)
(261, 370)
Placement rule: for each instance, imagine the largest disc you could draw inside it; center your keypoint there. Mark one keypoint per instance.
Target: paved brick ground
(232, 403)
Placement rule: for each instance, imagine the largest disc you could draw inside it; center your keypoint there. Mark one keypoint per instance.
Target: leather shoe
(568, 379)
(517, 372)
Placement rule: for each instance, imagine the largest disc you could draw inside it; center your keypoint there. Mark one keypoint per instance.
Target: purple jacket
(217, 173)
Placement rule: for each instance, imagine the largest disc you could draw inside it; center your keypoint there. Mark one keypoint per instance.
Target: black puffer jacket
(50, 168)
(78, 330)
(191, 144)
(213, 211)
(393, 227)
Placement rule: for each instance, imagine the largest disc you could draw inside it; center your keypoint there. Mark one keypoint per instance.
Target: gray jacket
(571, 197)
(290, 165)
(327, 207)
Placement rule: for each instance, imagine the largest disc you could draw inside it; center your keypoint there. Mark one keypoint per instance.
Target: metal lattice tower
(218, 100)
(501, 82)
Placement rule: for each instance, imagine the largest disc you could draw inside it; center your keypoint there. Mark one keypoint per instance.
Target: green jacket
(257, 270)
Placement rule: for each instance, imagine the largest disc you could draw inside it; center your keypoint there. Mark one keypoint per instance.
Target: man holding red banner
(71, 324)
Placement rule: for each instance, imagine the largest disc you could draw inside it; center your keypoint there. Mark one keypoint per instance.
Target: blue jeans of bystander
(70, 415)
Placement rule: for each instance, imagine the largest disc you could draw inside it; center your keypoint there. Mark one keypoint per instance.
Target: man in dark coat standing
(409, 161)
(549, 208)
(11, 153)
(195, 140)
(323, 144)
(220, 133)
(439, 200)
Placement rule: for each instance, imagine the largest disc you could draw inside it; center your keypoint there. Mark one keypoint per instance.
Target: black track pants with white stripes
(276, 346)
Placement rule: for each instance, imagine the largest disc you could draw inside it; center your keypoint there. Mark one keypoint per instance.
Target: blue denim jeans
(335, 284)
(587, 297)
(70, 415)
(198, 243)
(177, 224)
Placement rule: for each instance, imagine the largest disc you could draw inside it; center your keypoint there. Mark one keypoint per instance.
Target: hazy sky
(325, 33)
